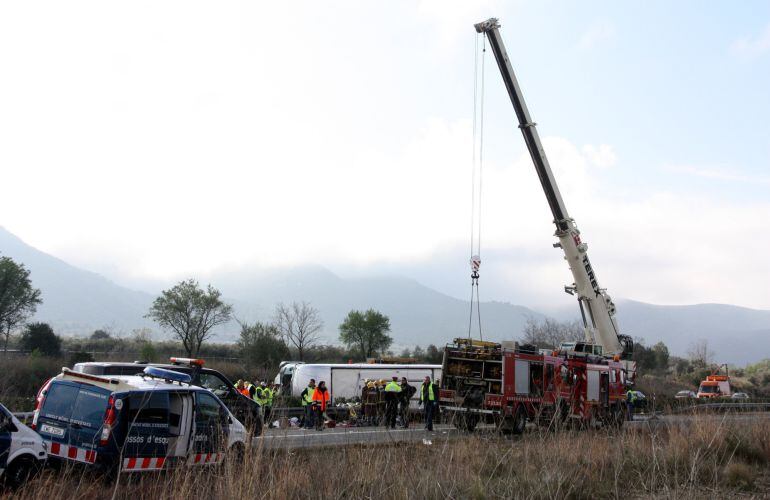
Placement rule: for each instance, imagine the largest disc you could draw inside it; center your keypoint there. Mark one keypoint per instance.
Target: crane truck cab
(135, 423)
(22, 452)
(716, 385)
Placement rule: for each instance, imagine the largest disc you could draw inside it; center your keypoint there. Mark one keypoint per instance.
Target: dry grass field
(710, 458)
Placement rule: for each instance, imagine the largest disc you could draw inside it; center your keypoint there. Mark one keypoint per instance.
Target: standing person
(320, 399)
(392, 393)
(630, 401)
(267, 397)
(371, 402)
(381, 403)
(429, 397)
(407, 391)
(307, 403)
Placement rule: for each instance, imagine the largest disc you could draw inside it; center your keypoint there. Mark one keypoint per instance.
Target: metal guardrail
(724, 406)
(24, 416)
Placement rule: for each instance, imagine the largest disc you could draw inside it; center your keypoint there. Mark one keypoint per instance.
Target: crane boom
(596, 306)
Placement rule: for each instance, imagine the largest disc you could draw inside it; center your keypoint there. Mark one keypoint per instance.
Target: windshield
(709, 389)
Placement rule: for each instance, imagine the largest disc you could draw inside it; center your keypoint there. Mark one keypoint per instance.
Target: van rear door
(71, 419)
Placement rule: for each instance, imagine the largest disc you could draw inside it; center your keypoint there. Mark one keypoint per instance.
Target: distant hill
(418, 314)
(735, 334)
(76, 301)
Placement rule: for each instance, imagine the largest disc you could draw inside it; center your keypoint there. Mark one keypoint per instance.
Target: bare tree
(190, 313)
(550, 333)
(299, 324)
(700, 353)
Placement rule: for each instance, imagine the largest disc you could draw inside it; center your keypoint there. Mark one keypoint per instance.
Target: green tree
(18, 299)
(660, 350)
(261, 345)
(366, 332)
(101, 335)
(147, 352)
(433, 355)
(190, 313)
(41, 338)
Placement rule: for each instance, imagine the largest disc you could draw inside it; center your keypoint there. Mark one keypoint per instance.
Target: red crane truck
(583, 381)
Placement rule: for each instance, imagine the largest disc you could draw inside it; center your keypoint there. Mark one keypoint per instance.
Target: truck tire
(519, 420)
(20, 470)
(466, 423)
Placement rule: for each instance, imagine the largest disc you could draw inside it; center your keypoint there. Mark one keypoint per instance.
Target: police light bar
(187, 361)
(155, 372)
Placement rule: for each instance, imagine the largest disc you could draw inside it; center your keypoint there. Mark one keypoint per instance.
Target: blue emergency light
(155, 372)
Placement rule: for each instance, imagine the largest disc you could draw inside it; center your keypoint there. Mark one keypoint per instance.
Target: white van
(22, 452)
(347, 380)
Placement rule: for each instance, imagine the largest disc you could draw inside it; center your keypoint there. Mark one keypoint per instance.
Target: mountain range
(76, 301)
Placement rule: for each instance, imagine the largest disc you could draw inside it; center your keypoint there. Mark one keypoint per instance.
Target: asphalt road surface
(342, 436)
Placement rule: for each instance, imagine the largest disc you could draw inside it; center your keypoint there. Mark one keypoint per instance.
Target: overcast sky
(158, 140)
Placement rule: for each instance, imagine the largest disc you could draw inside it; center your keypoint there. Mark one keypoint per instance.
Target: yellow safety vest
(431, 394)
(308, 397)
(392, 387)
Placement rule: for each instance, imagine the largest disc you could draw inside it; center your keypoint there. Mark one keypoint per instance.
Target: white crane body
(596, 306)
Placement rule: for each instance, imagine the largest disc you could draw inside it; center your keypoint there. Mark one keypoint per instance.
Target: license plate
(54, 431)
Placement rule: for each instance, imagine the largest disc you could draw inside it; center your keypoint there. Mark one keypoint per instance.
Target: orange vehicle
(716, 385)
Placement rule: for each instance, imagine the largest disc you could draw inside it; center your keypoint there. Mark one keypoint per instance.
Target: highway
(342, 436)
(294, 438)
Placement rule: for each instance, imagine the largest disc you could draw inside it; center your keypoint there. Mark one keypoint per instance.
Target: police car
(135, 423)
(22, 452)
(245, 409)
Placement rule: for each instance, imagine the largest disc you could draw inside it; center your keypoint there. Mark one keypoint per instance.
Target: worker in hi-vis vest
(392, 393)
(429, 398)
(307, 403)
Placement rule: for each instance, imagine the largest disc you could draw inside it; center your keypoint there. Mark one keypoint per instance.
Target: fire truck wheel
(466, 423)
(519, 420)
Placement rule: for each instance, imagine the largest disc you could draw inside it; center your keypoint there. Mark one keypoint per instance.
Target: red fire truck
(510, 385)
(580, 381)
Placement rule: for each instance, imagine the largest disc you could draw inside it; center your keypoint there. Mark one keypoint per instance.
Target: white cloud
(600, 32)
(602, 155)
(749, 47)
(191, 137)
(718, 173)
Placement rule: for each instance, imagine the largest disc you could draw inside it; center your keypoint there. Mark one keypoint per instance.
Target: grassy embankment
(710, 458)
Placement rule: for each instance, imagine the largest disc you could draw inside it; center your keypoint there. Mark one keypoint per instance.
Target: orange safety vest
(245, 392)
(321, 397)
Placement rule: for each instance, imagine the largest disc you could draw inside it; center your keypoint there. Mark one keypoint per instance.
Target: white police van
(22, 452)
(135, 423)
